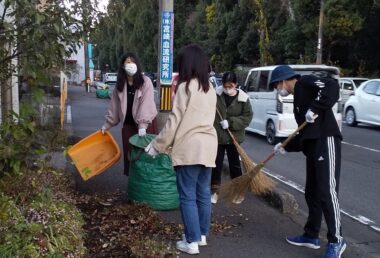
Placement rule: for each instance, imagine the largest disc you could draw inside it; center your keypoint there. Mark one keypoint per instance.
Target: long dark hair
(138, 78)
(193, 63)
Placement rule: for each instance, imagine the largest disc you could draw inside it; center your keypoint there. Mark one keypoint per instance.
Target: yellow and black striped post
(166, 98)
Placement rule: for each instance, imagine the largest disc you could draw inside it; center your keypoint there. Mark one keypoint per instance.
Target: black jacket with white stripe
(319, 95)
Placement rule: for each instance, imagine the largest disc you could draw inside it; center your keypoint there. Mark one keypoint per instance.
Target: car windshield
(358, 82)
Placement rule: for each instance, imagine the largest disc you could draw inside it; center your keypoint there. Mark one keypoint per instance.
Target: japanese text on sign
(166, 62)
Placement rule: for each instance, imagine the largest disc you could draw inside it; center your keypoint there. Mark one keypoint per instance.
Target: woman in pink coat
(132, 103)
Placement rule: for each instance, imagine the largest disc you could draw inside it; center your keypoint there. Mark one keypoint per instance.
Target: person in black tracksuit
(320, 141)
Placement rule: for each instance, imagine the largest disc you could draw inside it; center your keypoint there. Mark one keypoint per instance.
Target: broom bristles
(235, 188)
(262, 184)
(253, 179)
(257, 182)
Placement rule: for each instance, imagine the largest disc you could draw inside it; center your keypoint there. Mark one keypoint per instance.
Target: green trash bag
(151, 180)
(102, 93)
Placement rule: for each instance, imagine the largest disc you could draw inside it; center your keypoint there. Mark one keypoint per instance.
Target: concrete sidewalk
(251, 229)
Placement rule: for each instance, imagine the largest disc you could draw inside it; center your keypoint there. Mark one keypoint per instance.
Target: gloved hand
(151, 151)
(142, 132)
(224, 124)
(278, 149)
(103, 130)
(310, 116)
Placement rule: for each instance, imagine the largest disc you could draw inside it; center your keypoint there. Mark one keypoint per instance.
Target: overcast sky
(103, 5)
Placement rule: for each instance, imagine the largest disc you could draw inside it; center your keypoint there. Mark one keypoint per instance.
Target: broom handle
(284, 143)
(228, 130)
(287, 140)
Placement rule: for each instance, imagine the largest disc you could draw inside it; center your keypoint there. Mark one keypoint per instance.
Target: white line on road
(361, 147)
(359, 218)
(68, 114)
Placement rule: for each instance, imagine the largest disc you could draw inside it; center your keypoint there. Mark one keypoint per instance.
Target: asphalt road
(359, 186)
(358, 192)
(87, 115)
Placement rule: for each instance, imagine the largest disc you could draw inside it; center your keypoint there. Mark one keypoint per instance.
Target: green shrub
(38, 217)
(19, 146)
(23, 142)
(45, 227)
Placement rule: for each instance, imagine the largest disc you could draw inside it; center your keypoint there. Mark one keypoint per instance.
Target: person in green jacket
(235, 108)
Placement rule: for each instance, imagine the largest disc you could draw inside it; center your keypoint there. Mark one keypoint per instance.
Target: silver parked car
(363, 106)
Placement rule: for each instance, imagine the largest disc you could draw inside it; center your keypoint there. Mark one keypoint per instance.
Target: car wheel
(351, 117)
(271, 133)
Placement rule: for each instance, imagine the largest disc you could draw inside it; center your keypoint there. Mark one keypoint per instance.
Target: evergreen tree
(237, 32)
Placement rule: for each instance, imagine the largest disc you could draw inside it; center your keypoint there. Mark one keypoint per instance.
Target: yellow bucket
(94, 154)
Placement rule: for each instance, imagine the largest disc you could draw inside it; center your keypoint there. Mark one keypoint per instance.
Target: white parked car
(216, 81)
(272, 114)
(363, 106)
(110, 78)
(348, 85)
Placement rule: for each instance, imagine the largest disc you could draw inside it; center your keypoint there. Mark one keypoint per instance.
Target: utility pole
(86, 28)
(165, 59)
(86, 68)
(320, 35)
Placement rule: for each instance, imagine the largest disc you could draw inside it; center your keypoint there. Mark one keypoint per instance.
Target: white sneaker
(238, 200)
(190, 248)
(203, 241)
(214, 198)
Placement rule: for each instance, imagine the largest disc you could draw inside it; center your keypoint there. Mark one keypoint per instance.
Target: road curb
(281, 200)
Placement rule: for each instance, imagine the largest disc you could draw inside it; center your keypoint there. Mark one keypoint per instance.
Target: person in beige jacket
(132, 103)
(190, 136)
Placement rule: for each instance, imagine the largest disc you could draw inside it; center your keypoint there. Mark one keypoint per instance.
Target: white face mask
(229, 92)
(283, 92)
(130, 68)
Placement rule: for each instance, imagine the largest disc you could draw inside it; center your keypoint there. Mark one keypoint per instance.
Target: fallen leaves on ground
(116, 228)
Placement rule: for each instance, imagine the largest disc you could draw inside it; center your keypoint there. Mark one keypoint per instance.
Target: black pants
(233, 161)
(322, 184)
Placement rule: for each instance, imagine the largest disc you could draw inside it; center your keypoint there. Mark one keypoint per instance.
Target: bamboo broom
(254, 177)
(259, 183)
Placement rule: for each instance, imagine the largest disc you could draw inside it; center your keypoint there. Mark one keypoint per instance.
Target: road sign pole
(165, 62)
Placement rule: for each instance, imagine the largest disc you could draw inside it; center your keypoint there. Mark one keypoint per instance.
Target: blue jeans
(193, 183)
